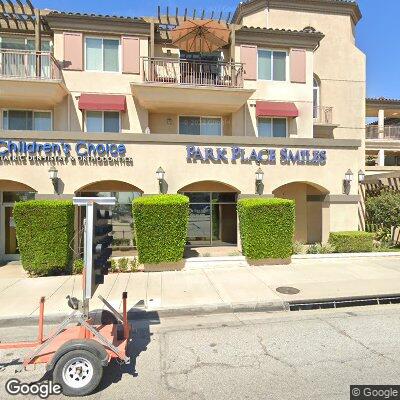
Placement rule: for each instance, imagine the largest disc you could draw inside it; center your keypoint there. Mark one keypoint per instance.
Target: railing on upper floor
(323, 115)
(193, 72)
(27, 64)
(385, 133)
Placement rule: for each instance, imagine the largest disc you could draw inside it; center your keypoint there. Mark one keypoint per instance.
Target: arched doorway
(125, 193)
(213, 217)
(312, 212)
(11, 192)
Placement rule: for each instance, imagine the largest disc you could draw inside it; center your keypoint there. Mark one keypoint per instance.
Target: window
(102, 55)
(20, 120)
(272, 65)
(272, 127)
(211, 126)
(18, 43)
(102, 121)
(316, 97)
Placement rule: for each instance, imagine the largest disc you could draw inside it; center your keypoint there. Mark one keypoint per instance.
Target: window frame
(272, 64)
(272, 126)
(3, 110)
(317, 89)
(25, 39)
(102, 120)
(102, 38)
(202, 116)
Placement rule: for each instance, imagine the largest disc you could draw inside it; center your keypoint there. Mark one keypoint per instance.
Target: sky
(377, 33)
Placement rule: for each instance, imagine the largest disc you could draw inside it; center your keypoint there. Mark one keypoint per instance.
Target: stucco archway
(7, 185)
(213, 217)
(108, 186)
(312, 212)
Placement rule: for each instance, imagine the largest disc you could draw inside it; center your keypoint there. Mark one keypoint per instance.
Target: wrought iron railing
(323, 115)
(188, 72)
(385, 133)
(26, 64)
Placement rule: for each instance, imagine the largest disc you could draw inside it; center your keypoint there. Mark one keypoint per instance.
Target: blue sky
(376, 33)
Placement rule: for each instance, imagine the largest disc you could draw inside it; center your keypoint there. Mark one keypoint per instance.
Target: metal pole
(41, 320)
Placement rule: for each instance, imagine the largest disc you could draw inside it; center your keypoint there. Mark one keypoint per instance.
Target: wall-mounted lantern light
(361, 176)
(160, 174)
(348, 178)
(53, 175)
(259, 181)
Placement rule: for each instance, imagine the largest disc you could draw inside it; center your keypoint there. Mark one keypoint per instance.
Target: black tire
(91, 372)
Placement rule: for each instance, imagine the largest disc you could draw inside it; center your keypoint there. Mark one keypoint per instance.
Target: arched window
(316, 97)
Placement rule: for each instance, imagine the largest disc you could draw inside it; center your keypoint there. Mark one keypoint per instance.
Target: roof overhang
(341, 7)
(391, 107)
(98, 24)
(171, 98)
(278, 37)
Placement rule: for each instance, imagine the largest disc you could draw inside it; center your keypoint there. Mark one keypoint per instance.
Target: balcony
(323, 115)
(195, 73)
(382, 133)
(173, 85)
(30, 78)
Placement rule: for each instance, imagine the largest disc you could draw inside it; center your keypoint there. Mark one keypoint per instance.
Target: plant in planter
(266, 228)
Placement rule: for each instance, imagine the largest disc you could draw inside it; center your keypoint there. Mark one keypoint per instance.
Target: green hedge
(266, 227)
(161, 224)
(45, 230)
(352, 242)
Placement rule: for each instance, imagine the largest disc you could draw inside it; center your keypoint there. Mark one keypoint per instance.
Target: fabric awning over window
(102, 102)
(276, 109)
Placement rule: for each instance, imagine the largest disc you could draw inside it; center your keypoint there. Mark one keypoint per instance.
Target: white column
(381, 158)
(381, 123)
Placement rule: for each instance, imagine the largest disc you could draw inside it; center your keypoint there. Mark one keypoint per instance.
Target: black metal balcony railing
(323, 115)
(26, 64)
(385, 133)
(185, 72)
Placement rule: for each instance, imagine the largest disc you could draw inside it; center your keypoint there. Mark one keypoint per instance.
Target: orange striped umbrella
(203, 36)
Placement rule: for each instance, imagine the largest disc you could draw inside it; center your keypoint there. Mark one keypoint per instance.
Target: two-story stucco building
(92, 105)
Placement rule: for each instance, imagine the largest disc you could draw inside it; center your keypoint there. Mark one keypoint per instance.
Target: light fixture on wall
(169, 121)
(53, 175)
(259, 181)
(361, 176)
(348, 179)
(160, 174)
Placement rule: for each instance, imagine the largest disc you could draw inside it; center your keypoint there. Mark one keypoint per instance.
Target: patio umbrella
(204, 36)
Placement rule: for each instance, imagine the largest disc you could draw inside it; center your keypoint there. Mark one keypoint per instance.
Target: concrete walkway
(206, 289)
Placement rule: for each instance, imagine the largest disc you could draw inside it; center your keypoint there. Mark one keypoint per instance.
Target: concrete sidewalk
(204, 290)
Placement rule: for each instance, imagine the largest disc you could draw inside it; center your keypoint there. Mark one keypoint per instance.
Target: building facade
(96, 105)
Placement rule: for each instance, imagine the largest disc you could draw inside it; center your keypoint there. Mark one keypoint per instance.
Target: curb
(157, 313)
(346, 255)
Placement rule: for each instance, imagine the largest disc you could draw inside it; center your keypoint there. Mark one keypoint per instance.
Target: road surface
(294, 355)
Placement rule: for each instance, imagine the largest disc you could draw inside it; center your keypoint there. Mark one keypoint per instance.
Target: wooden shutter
(298, 66)
(73, 51)
(248, 56)
(130, 55)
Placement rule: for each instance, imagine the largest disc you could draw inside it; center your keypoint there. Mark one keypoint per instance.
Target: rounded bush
(45, 230)
(352, 241)
(266, 227)
(161, 224)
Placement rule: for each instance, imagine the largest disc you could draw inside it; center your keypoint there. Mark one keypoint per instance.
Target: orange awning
(276, 109)
(102, 102)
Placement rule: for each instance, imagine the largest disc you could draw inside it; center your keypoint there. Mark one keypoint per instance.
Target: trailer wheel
(79, 373)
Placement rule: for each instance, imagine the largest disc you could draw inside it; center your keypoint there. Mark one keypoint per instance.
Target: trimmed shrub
(45, 231)
(319, 248)
(266, 228)
(352, 242)
(161, 224)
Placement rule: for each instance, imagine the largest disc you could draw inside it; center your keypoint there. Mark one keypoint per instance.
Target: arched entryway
(213, 217)
(312, 212)
(125, 193)
(11, 192)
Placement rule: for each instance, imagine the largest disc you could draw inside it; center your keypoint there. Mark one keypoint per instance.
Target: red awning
(276, 109)
(102, 102)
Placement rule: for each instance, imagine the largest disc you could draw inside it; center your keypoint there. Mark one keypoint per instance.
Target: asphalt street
(292, 355)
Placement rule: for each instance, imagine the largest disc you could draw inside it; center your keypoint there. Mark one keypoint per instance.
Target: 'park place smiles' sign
(284, 156)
